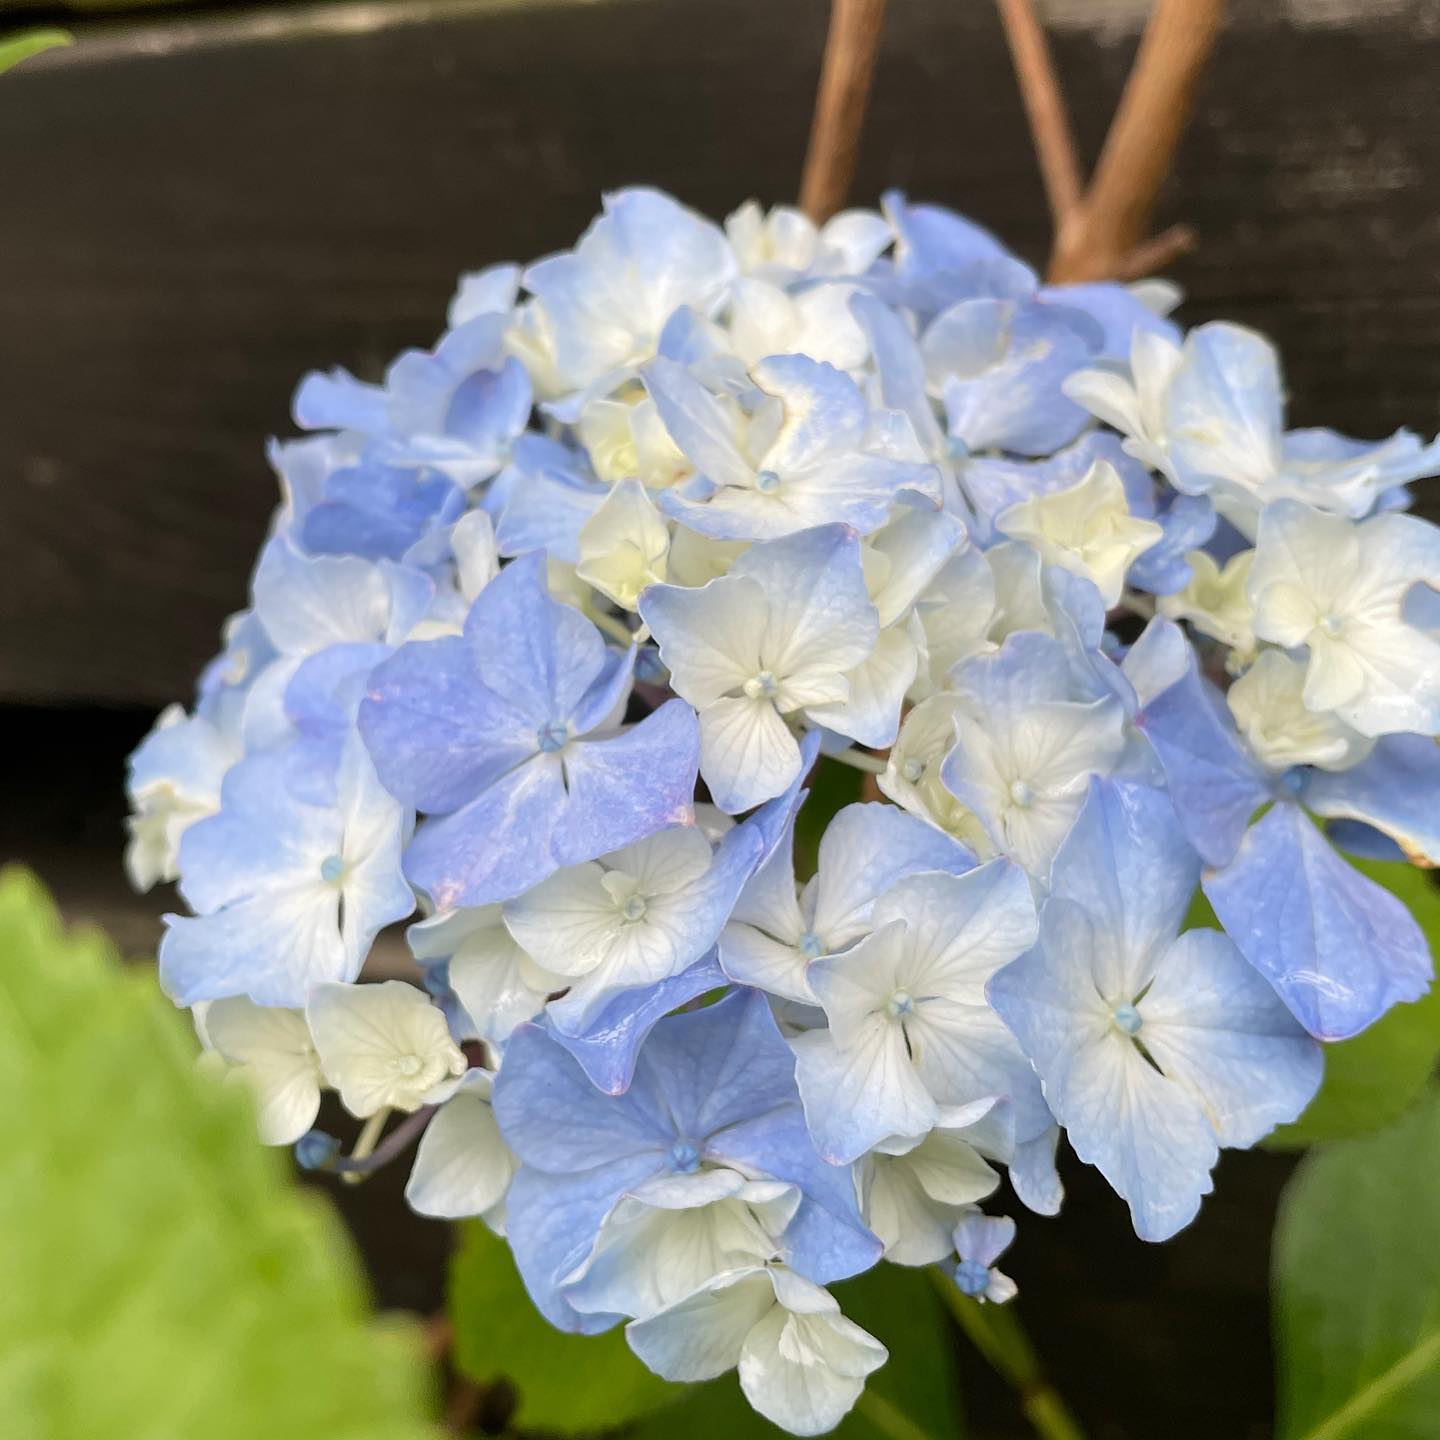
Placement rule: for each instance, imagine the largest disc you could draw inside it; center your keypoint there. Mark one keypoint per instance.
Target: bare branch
(1045, 107)
(850, 47)
(1100, 238)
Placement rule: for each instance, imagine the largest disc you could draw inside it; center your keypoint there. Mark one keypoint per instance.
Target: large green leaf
(15, 48)
(1357, 1287)
(565, 1384)
(1377, 1076)
(913, 1395)
(160, 1279)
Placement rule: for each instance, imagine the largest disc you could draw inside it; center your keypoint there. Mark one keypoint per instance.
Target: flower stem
(369, 1137)
(887, 1419)
(859, 760)
(996, 1332)
(615, 628)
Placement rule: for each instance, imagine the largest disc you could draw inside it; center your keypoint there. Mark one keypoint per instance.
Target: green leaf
(832, 787)
(15, 48)
(1357, 1287)
(912, 1395)
(1374, 1078)
(159, 1276)
(565, 1384)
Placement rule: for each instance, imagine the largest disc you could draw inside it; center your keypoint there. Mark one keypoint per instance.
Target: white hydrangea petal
(273, 1052)
(381, 1045)
(805, 1372)
(703, 1335)
(463, 1166)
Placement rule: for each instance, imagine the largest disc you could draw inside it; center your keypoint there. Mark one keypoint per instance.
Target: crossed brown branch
(1102, 229)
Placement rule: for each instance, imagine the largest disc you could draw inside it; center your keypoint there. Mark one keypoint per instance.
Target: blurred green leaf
(159, 1278)
(1374, 1078)
(1357, 1287)
(898, 1306)
(565, 1384)
(15, 48)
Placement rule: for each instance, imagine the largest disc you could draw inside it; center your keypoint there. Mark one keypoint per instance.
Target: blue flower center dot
(684, 1157)
(1332, 625)
(1021, 793)
(956, 448)
(332, 867)
(900, 1004)
(552, 736)
(762, 686)
(912, 770)
(1127, 1019)
(767, 482)
(1294, 779)
(810, 946)
(633, 908)
(972, 1277)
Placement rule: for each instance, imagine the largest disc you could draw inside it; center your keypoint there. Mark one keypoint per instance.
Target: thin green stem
(615, 628)
(887, 1419)
(870, 764)
(369, 1137)
(996, 1332)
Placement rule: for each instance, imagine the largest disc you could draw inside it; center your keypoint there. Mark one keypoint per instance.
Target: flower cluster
(556, 622)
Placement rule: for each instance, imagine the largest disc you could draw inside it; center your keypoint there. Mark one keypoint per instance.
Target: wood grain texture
(198, 209)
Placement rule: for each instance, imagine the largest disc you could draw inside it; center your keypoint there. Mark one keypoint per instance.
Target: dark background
(199, 204)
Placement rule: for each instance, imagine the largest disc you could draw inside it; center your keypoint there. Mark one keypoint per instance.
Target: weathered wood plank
(199, 208)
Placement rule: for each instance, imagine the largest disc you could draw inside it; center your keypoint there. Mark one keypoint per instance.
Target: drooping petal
(1339, 950)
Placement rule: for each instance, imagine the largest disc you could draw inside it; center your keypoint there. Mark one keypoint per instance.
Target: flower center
(956, 448)
(912, 770)
(1127, 1019)
(409, 1065)
(809, 945)
(1332, 625)
(1021, 794)
(767, 482)
(552, 736)
(332, 869)
(972, 1277)
(899, 1005)
(633, 909)
(685, 1157)
(762, 686)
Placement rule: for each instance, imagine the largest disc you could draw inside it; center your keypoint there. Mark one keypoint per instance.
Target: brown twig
(1045, 107)
(1101, 228)
(845, 72)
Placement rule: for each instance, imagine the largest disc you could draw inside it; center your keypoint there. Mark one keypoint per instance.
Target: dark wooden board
(198, 208)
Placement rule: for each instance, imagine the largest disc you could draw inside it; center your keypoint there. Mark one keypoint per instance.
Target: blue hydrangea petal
(1396, 789)
(1215, 785)
(1339, 949)
(551, 1222)
(555, 1120)
(609, 1045)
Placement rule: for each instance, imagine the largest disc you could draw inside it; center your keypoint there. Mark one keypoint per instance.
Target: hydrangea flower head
(565, 618)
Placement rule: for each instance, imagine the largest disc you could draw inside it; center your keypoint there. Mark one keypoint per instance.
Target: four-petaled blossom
(909, 1028)
(287, 893)
(776, 634)
(1340, 588)
(491, 733)
(1154, 1048)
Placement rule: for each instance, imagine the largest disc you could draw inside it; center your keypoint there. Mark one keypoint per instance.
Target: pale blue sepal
(1339, 949)
(1395, 789)
(1215, 785)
